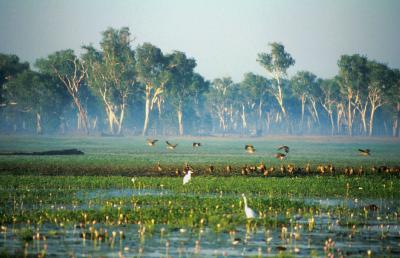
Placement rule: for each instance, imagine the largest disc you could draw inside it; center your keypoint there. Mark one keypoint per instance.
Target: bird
(250, 148)
(284, 148)
(280, 156)
(250, 214)
(170, 145)
(365, 152)
(196, 144)
(187, 177)
(151, 142)
(261, 168)
(158, 167)
(228, 168)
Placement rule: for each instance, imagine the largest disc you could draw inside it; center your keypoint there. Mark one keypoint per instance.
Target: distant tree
(276, 63)
(111, 74)
(393, 98)
(180, 87)
(218, 97)
(39, 95)
(10, 66)
(302, 84)
(151, 72)
(353, 77)
(66, 67)
(259, 89)
(328, 98)
(380, 78)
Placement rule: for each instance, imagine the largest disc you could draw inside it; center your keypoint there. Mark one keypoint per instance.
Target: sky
(224, 36)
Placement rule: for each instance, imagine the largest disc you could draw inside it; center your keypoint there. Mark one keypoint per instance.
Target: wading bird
(365, 152)
(284, 148)
(151, 142)
(250, 148)
(280, 156)
(187, 177)
(196, 144)
(250, 214)
(170, 145)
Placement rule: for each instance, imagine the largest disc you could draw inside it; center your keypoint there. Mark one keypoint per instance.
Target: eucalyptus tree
(70, 71)
(353, 73)
(39, 96)
(380, 79)
(218, 99)
(10, 66)
(276, 63)
(393, 98)
(152, 73)
(111, 74)
(258, 88)
(180, 87)
(301, 84)
(329, 99)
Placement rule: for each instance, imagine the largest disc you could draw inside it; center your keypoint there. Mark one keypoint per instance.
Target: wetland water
(356, 227)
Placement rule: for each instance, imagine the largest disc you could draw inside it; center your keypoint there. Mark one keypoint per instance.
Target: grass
(131, 156)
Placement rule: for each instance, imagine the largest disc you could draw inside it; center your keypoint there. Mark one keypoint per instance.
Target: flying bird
(187, 177)
(250, 214)
(196, 144)
(170, 145)
(365, 152)
(284, 148)
(250, 148)
(280, 156)
(151, 142)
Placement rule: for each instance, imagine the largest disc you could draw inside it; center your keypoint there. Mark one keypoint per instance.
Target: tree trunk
(332, 123)
(180, 118)
(349, 117)
(38, 124)
(121, 119)
(244, 122)
(147, 111)
(303, 101)
(82, 114)
(371, 119)
(396, 131)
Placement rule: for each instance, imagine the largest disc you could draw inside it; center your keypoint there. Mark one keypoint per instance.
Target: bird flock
(262, 169)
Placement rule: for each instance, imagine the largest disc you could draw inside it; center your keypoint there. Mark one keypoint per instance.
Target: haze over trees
(118, 89)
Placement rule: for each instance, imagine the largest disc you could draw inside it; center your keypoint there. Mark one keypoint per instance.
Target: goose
(284, 148)
(187, 177)
(250, 214)
(170, 145)
(280, 156)
(196, 144)
(250, 148)
(365, 152)
(151, 142)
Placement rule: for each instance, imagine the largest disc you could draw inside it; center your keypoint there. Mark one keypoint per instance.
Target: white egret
(250, 214)
(187, 177)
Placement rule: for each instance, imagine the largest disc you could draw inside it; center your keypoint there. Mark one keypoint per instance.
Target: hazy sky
(224, 36)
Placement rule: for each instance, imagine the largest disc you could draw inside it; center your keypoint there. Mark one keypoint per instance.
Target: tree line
(118, 89)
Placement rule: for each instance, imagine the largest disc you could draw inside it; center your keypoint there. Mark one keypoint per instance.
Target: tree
(379, 82)
(259, 89)
(302, 83)
(353, 73)
(181, 88)
(393, 98)
(218, 98)
(328, 98)
(10, 66)
(38, 95)
(65, 66)
(150, 68)
(276, 63)
(111, 74)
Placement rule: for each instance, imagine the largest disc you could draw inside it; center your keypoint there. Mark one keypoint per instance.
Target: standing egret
(187, 177)
(250, 214)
